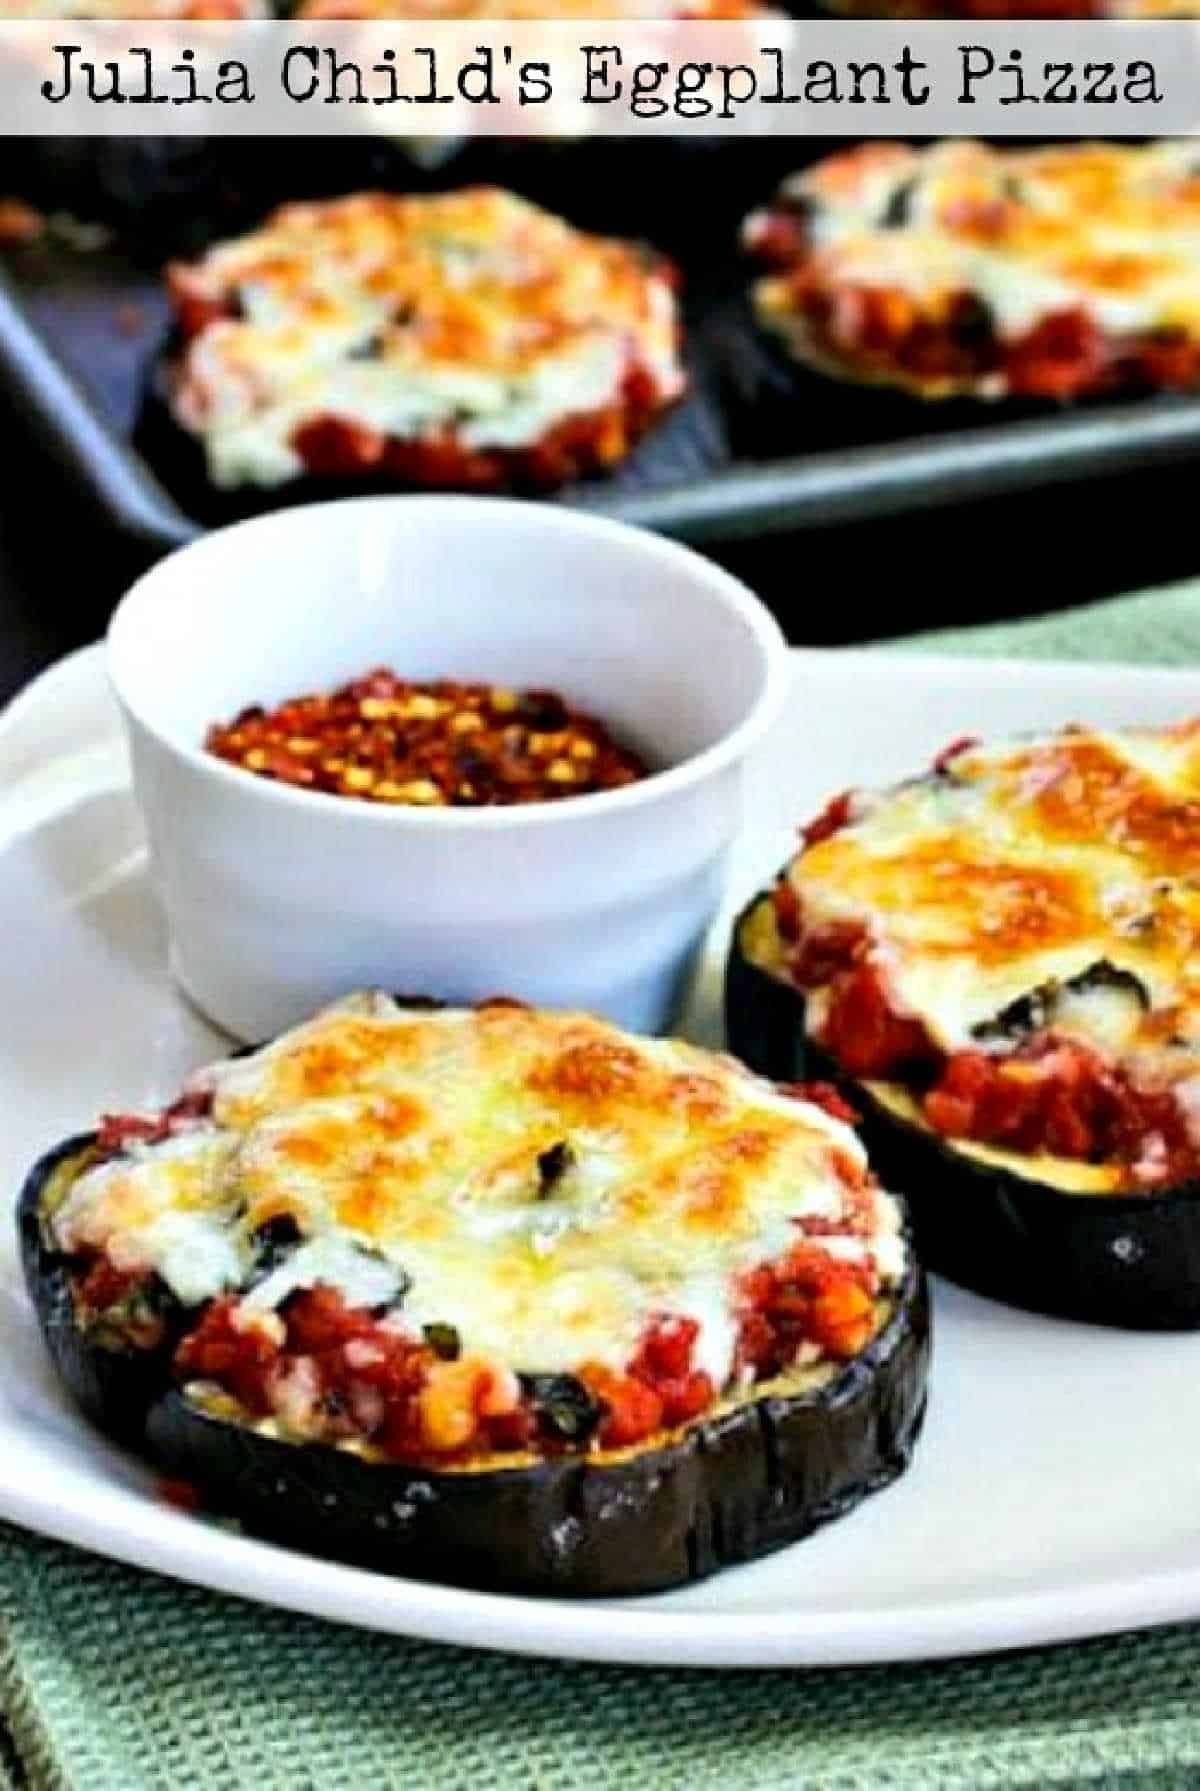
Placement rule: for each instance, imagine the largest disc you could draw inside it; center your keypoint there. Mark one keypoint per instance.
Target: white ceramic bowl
(279, 899)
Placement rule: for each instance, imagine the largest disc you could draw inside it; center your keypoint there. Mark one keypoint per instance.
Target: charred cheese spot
(954, 900)
(423, 1180)
(1137, 793)
(590, 1075)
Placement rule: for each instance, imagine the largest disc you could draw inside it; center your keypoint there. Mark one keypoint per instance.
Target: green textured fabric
(1160, 627)
(114, 1680)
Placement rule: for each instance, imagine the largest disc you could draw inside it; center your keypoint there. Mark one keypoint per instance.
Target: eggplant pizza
(463, 339)
(489, 1295)
(962, 269)
(997, 961)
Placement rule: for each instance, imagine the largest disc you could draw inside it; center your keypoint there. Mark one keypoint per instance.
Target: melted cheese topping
(1027, 865)
(406, 1146)
(472, 312)
(1109, 229)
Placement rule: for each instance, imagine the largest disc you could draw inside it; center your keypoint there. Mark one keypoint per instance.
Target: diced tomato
(957, 1096)
(1061, 356)
(513, 1430)
(102, 1287)
(823, 1095)
(332, 448)
(195, 312)
(639, 388)
(1017, 1102)
(809, 1297)
(757, 1343)
(832, 818)
(685, 1396)
(1169, 360)
(634, 1410)
(666, 1349)
(780, 237)
(1062, 1097)
(758, 1286)
(196, 1103)
(238, 1359)
(318, 1320)
(862, 1032)
(664, 1364)
(841, 1318)
(824, 951)
(352, 1375)
(116, 1130)
(442, 461)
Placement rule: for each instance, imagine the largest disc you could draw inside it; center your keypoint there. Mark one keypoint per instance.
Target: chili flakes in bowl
(383, 738)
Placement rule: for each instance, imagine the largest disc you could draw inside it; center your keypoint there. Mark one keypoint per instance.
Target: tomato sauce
(1048, 1094)
(336, 1371)
(1058, 1096)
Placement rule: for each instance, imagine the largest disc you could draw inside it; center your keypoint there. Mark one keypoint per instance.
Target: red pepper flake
(383, 738)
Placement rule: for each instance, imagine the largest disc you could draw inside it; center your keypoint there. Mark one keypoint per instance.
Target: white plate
(1056, 1491)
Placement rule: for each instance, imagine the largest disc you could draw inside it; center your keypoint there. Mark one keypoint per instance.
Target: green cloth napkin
(1160, 627)
(115, 1680)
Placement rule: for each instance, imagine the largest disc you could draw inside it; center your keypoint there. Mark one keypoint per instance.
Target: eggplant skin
(1128, 1260)
(115, 1388)
(726, 1489)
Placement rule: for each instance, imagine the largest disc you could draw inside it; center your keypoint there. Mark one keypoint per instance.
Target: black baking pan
(758, 449)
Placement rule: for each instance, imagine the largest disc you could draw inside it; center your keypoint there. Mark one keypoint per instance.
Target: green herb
(273, 1240)
(553, 1163)
(444, 1341)
(564, 1407)
(1037, 1009)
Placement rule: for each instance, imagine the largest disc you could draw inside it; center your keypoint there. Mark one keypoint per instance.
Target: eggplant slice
(752, 1477)
(1129, 1260)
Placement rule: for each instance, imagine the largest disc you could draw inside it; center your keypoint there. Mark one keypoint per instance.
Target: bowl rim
(729, 748)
